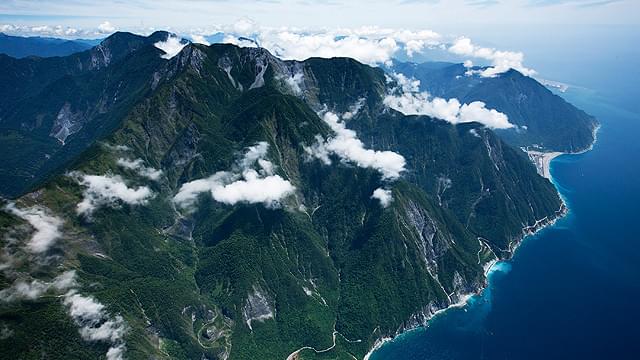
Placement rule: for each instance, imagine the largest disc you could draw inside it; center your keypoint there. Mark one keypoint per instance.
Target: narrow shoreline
(464, 298)
(544, 160)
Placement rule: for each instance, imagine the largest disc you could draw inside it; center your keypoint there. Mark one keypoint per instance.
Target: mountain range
(19, 47)
(223, 203)
(545, 121)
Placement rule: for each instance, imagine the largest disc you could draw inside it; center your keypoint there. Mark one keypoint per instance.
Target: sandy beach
(542, 160)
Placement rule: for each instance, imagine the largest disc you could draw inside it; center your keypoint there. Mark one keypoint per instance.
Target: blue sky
(552, 33)
(412, 14)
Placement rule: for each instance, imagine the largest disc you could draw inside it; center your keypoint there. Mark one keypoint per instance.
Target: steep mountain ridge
(544, 120)
(52, 109)
(255, 279)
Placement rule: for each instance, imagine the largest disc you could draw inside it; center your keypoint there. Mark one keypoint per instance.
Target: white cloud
(31, 290)
(172, 46)
(369, 44)
(199, 39)
(407, 100)
(346, 145)
(23, 290)
(138, 166)
(501, 61)
(7, 28)
(294, 81)
(107, 190)
(245, 26)
(243, 185)
(117, 148)
(253, 189)
(253, 154)
(47, 227)
(106, 28)
(384, 196)
(95, 323)
(290, 45)
(116, 352)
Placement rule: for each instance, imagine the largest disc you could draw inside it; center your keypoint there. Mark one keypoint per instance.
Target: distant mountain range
(227, 204)
(19, 46)
(544, 119)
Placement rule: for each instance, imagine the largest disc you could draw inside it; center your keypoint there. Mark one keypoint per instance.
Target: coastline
(464, 298)
(544, 160)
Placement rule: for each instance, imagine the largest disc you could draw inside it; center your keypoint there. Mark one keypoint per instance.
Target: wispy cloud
(107, 190)
(482, 3)
(95, 323)
(140, 168)
(171, 46)
(23, 289)
(46, 226)
(578, 3)
(346, 145)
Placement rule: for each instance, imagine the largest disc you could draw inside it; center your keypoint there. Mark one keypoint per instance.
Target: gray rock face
(100, 57)
(430, 243)
(67, 123)
(257, 307)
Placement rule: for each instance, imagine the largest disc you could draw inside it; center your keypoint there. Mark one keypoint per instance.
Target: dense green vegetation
(183, 281)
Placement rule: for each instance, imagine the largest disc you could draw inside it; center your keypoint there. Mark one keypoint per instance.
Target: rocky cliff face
(241, 206)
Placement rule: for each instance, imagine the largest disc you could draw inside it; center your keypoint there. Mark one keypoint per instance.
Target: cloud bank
(407, 99)
(370, 45)
(46, 227)
(346, 145)
(107, 190)
(242, 185)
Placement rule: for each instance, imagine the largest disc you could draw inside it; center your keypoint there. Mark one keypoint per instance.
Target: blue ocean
(571, 291)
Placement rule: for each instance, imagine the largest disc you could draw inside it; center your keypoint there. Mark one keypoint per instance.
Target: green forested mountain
(542, 118)
(51, 109)
(225, 204)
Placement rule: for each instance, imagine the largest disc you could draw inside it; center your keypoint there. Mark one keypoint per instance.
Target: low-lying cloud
(95, 323)
(46, 226)
(138, 166)
(407, 99)
(30, 290)
(108, 190)
(242, 185)
(501, 61)
(346, 145)
(384, 196)
(172, 46)
(370, 45)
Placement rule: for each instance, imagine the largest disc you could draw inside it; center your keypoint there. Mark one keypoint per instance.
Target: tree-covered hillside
(227, 204)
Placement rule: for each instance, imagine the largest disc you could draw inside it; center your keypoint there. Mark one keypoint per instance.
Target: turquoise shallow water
(571, 290)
